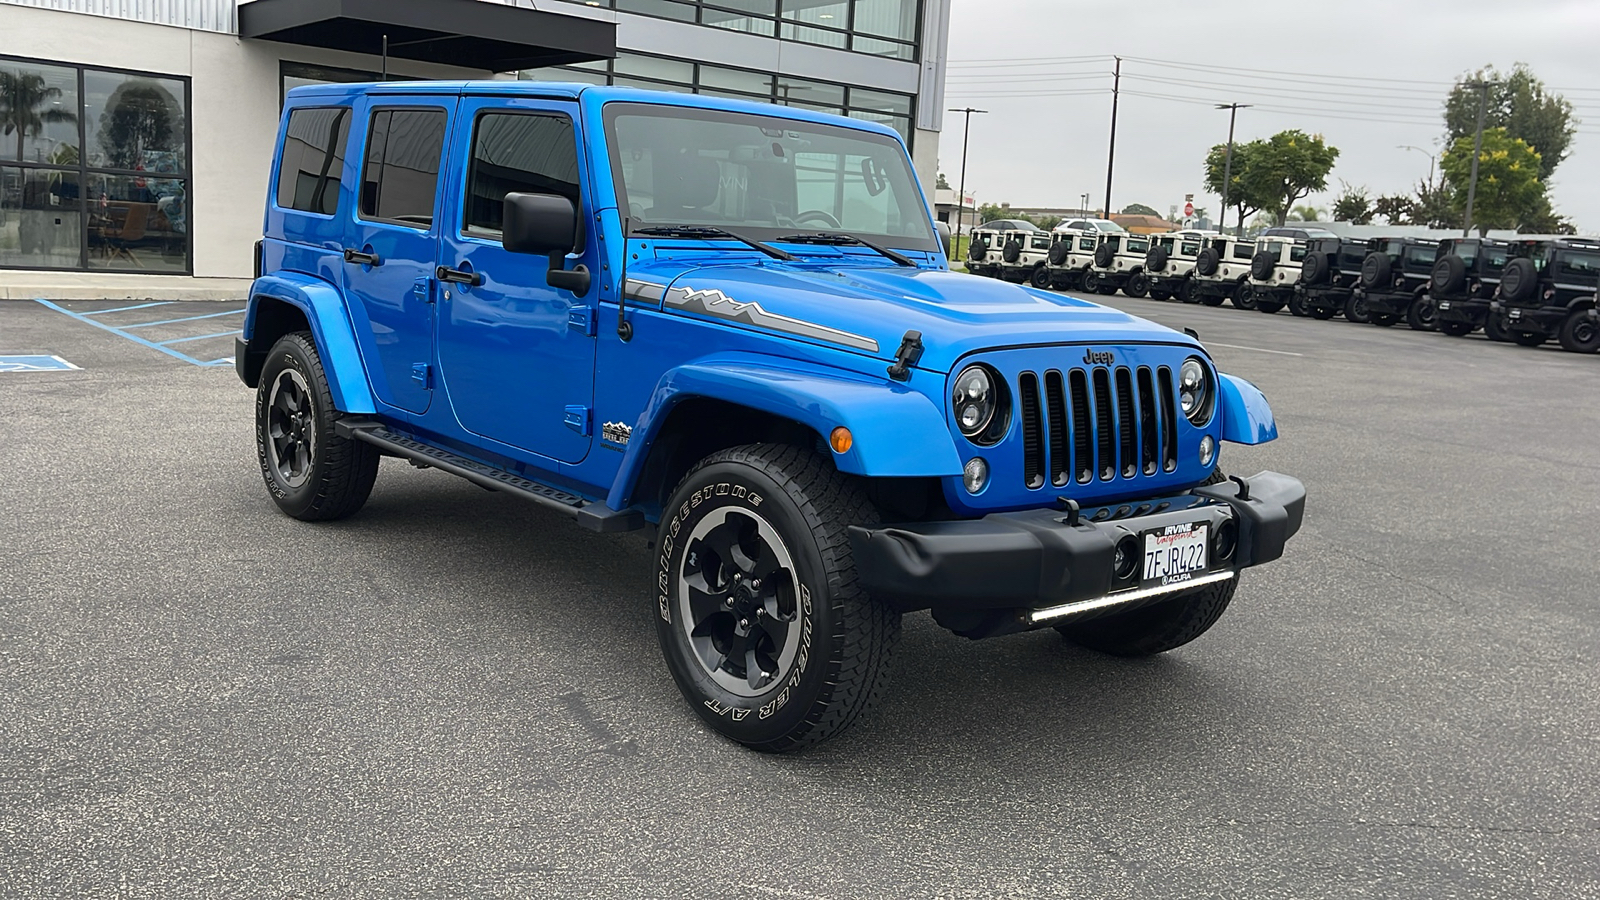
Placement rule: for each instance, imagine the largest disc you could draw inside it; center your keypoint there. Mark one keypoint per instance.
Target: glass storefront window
(665, 9)
(94, 169)
(756, 83)
(38, 113)
(137, 223)
(133, 122)
(41, 218)
(886, 18)
(654, 67)
(877, 47)
(748, 16)
(880, 101)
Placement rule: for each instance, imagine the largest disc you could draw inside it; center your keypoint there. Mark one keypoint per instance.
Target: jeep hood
(869, 309)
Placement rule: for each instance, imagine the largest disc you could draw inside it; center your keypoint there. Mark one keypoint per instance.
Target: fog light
(1127, 559)
(975, 475)
(1208, 450)
(1226, 540)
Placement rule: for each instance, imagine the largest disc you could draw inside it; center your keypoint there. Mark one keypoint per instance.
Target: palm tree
(24, 106)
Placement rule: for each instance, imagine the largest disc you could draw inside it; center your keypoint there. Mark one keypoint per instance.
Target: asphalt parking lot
(454, 694)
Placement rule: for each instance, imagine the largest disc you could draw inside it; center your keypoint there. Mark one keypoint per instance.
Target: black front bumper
(1033, 564)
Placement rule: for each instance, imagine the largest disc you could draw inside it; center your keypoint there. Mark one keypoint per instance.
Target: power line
(1278, 73)
(1005, 62)
(1292, 93)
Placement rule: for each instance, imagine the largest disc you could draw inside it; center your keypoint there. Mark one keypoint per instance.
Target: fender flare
(1246, 416)
(898, 432)
(324, 309)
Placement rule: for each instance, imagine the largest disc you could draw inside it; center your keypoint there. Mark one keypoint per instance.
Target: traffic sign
(1188, 209)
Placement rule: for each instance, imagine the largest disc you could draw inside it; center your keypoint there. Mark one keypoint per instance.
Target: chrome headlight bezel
(991, 408)
(1197, 391)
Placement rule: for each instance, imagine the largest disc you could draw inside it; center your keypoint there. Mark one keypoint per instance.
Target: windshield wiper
(835, 238)
(709, 231)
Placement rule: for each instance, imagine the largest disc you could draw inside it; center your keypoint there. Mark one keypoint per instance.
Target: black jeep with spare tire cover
(1551, 293)
(1328, 275)
(1394, 283)
(1464, 281)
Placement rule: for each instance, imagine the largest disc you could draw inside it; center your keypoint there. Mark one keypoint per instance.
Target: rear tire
(312, 473)
(1526, 338)
(1355, 310)
(1212, 299)
(1297, 306)
(1041, 278)
(1270, 307)
(1382, 320)
(1138, 286)
(1187, 293)
(1580, 333)
(1422, 315)
(774, 517)
(1244, 296)
(1160, 294)
(1455, 329)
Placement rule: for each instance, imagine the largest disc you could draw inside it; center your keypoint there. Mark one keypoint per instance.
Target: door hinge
(422, 374)
(582, 319)
(577, 418)
(422, 289)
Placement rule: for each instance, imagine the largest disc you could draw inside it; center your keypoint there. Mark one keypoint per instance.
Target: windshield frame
(613, 110)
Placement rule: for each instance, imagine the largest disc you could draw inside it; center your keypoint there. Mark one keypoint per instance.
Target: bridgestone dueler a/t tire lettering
(1160, 627)
(840, 668)
(341, 471)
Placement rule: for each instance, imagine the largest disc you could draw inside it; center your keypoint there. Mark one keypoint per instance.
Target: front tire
(311, 472)
(759, 615)
(1580, 333)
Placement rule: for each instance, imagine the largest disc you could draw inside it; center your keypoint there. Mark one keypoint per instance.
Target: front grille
(1097, 423)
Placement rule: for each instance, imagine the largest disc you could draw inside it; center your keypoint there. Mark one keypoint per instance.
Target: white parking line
(1256, 349)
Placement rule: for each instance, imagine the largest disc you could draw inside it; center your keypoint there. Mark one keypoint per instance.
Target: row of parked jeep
(1527, 291)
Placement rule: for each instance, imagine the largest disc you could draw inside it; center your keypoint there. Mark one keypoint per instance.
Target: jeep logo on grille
(1098, 359)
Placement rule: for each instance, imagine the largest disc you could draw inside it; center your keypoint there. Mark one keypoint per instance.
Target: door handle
(352, 255)
(456, 276)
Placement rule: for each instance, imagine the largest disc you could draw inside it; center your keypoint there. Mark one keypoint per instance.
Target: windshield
(761, 175)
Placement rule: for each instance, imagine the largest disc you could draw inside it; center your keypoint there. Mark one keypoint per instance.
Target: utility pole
(961, 198)
(1227, 162)
(1111, 155)
(1477, 147)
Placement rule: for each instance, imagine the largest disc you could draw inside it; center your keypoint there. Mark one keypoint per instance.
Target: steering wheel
(830, 221)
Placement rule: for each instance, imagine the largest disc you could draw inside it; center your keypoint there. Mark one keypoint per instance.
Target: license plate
(1444, 304)
(1174, 554)
(1515, 314)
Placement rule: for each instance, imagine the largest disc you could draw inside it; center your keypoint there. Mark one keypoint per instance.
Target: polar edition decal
(715, 303)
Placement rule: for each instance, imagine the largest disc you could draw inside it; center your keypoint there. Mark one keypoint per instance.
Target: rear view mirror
(546, 224)
(944, 237)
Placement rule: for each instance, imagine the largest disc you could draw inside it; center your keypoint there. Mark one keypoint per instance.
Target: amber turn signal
(841, 440)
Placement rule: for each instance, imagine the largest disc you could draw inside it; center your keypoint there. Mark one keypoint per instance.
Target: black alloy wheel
(1041, 277)
(1138, 285)
(1091, 282)
(1422, 314)
(1355, 309)
(758, 611)
(1580, 333)
(291, 429)
(1186, 292)
(311, 472)
(1244, 296)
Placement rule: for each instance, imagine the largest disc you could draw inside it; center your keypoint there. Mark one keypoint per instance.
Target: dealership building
(136, 135)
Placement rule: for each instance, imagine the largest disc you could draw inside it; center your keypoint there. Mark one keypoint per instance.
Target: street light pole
(1227, 163)
(1477, 147)
(961, 198)
(1111, 154)
(1430, 157)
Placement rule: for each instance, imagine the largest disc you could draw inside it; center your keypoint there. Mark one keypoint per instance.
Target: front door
(516, 355)
(392, 243)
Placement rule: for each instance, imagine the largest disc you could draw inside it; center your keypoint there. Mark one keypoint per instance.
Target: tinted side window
(1297, 253)
(533, 154)
(313, 159)
(1242, 250)
(401, 175)
(1189, 248)
(1420, 256)
(1041, 243)
(1087, 243)
(1581, 266)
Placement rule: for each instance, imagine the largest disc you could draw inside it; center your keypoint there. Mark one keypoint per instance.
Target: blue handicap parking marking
(128, 331)
(35, 363)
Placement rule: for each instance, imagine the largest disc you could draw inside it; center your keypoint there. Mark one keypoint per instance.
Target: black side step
(590, 515)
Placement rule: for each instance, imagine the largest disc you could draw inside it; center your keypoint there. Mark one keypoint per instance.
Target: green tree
(140, 116)
(1288, 166)
(1139, 209)
(988, 212)
(1046, 222)
(1306, 213)
(1434, 204)
(1396, 209)
(1240, 196)
(1352, 205)
(25, 106)
(1509, 189)
(942, 184)
(1519, 103)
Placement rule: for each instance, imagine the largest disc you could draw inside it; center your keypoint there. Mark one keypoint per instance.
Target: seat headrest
(686, 181)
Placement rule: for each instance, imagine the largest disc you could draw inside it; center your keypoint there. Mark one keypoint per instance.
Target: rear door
(517, 355)
(392, 241)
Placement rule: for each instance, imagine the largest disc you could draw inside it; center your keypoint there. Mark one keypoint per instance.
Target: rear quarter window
(312, 159)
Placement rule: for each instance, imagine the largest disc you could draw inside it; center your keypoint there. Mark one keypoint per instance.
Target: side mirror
(545, 224)
(944, 237)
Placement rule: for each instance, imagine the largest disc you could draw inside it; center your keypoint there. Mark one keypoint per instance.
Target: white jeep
(983, 252)
(1274, 271)
(1222, 272)
(1071, 255)
(1008, 253)
(1119, 263)
(1169, 264)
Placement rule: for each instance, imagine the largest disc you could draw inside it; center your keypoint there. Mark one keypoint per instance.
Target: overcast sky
(1031, 64)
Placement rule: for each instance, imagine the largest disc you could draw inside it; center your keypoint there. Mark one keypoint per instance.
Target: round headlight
(1195, 390)
(974, 400)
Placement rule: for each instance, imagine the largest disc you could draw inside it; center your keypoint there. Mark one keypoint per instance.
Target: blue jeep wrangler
(733, 327)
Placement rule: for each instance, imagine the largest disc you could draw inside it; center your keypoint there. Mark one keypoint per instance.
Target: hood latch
(908, 355)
